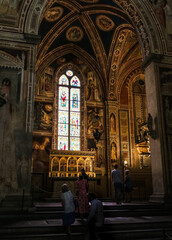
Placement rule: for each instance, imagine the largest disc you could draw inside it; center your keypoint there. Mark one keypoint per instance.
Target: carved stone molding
(9, 61)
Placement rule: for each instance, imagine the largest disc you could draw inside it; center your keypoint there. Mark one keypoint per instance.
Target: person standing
(118, 185)
(95, 218)
(127, 186)
(85, 176)
(81, 192)
(67, 200)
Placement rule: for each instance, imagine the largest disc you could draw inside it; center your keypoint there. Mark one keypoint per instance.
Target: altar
(70, 163)
(65, 167)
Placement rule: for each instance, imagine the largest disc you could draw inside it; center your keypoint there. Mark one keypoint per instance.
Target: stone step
(111, 224)
(36, 215)
(55, 211)
(144, 234)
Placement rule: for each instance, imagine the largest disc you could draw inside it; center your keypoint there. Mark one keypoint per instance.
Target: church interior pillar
(155, 132)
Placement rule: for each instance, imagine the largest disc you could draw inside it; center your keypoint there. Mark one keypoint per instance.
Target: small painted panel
(62, 143)
(104, 23)
(63, 80)
(74, 34)
(53, 14)
(63, 123)
(75, 124)
(74, 144)
(75, 81)
(63, 98)
(69, 73)
(75, 99)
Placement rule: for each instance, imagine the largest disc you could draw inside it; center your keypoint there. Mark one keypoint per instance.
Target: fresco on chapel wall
(15, 153)
(163, 11)
(7, 148)
(165, 75)
(139, 108)
(44, 85)
(40, 153)
(124, 136)
(112, 124)
(93, 92)
(94, 120)
(9, 11)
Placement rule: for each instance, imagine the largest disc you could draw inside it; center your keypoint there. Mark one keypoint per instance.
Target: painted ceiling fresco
(96, 30)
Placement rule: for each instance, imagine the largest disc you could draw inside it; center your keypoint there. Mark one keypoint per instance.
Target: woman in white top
(67, 200)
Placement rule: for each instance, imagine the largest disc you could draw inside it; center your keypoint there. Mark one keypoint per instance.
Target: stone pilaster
(153, 92)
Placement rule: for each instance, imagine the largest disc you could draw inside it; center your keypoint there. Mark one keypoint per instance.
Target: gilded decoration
(70, 163)
(74, 34)
(121, 37)
(104, 23)
(113, 152)
(130, 8)
(112, 124)
(124, 136)
(44, 86)
(43, 116)
(53, 14)
(94, 121)
(40, 153)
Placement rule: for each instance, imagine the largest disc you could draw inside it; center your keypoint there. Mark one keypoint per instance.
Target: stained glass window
(63, 80)
(69, 112)
(63, 98)
(75, 81)
(74, 99)
(69, 73)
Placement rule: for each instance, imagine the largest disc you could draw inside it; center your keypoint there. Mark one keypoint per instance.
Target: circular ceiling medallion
(52, 14)
(74, 34)
(117, 52)
(104, 23)
(89, 1)
(113, 67)
(121, 38)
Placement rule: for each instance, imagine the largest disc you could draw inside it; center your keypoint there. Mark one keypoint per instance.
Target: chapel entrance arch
(152, 48)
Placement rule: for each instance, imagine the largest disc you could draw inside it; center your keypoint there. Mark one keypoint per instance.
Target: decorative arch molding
(138, 75)
(119, 36)
(140, 12)
(128, 78)
(80, 53)
(9, 61)
(33, 17)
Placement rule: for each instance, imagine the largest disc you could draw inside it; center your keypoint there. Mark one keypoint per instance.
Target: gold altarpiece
(70, 163)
